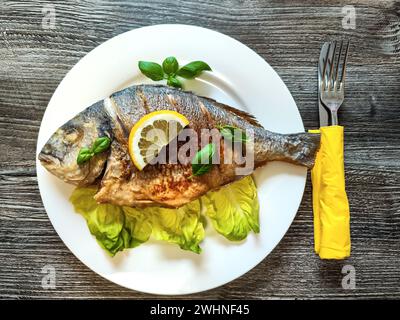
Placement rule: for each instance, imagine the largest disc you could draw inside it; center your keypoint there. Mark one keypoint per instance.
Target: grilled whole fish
(169, 185)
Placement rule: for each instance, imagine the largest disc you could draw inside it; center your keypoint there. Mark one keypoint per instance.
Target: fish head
(59, 154)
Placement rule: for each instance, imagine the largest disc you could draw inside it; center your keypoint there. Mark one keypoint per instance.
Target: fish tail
(297, 148)
(302, 148)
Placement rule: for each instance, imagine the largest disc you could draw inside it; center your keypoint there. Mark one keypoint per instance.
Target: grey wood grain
(288, 34)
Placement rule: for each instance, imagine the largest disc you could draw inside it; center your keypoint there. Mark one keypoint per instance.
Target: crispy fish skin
(169, 185)
(165, 185)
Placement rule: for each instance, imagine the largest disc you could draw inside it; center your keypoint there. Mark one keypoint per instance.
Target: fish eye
(72, 135)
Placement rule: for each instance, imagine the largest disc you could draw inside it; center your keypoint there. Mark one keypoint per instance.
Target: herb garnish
(170, 70)
(193, 69)
(85, 154)
(232, 133)
(202, 161)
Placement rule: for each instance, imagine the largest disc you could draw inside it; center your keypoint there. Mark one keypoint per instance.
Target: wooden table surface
(288, 34)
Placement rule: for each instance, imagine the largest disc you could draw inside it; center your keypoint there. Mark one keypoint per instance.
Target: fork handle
(334, 117)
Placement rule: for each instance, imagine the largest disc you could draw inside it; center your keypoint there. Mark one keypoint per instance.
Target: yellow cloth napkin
(330, 204)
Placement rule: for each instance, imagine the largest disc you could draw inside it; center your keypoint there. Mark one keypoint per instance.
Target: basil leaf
(151, 70)
(101, 144)
(193, 69)
(226, 133)
(199, 170)
(170, 65)
(233, 133)
(85, 154)
(202, 161)
(174, 82)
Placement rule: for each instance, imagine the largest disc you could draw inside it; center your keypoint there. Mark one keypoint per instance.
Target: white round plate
(240, 78)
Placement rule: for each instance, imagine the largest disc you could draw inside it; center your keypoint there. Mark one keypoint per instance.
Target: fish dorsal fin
(243, 114)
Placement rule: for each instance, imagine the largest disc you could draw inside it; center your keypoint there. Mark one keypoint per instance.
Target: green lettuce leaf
(182, 226)
(138, 224)
(233, 210)
(114, 230)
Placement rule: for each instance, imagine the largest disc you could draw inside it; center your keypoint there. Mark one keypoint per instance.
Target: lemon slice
(151, 133)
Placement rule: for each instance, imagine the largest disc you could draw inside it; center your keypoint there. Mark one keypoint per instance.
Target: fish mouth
(48, 159)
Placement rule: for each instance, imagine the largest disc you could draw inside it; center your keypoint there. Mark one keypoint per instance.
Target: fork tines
(335, 62)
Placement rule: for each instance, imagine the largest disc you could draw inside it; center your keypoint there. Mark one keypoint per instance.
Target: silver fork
(332, 91)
